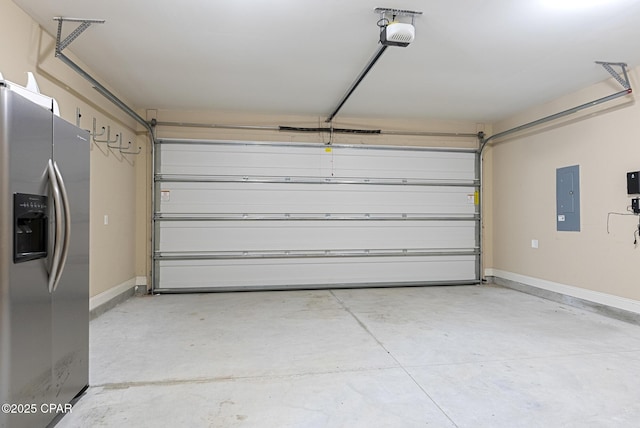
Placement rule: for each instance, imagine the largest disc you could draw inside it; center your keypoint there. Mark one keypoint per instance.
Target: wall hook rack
(119, 145)
(109, 141)
(95, 133)
(131, 153)
(116, 143)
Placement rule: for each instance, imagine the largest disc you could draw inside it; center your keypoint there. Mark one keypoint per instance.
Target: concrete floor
(404, 357)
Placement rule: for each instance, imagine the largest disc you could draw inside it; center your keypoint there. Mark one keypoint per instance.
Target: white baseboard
(115, 292)
(568, 290)
(112, 293)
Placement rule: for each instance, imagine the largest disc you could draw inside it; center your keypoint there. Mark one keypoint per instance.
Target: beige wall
(605, 142)
(24, 47)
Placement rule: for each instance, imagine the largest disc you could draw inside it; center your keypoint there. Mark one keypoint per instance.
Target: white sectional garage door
(249, 215)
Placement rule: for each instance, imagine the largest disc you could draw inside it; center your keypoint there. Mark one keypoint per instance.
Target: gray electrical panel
(568, 199)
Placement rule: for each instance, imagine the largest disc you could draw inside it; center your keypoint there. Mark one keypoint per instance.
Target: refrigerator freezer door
(71, 297)
(25, 301)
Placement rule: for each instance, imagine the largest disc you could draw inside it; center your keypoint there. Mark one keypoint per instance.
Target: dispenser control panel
(30, 220)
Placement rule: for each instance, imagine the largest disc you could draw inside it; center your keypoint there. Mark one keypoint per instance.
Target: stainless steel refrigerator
(44, 261)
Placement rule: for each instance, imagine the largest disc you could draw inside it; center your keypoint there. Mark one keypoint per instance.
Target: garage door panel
(315, 198)
(274, 273)
(411, 165)
(248, 215)
(314, 235)
(241, 160)
(316, 161)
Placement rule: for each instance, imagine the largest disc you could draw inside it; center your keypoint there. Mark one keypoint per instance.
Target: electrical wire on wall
(636, 229)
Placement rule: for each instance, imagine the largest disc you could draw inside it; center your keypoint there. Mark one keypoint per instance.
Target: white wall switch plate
(534, 243)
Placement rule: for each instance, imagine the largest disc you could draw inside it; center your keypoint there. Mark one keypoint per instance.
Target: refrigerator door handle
(67, 225)
(57, 208)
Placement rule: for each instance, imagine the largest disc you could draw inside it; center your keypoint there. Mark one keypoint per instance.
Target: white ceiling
(479, 60)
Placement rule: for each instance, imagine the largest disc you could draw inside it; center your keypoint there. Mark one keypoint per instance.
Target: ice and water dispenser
(29, 227)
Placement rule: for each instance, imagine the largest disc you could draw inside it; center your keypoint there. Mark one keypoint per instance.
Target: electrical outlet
(106, 219)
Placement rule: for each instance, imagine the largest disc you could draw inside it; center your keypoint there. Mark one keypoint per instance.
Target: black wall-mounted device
(633, 183)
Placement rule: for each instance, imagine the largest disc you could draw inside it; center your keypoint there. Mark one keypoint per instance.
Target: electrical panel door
(568, 199)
